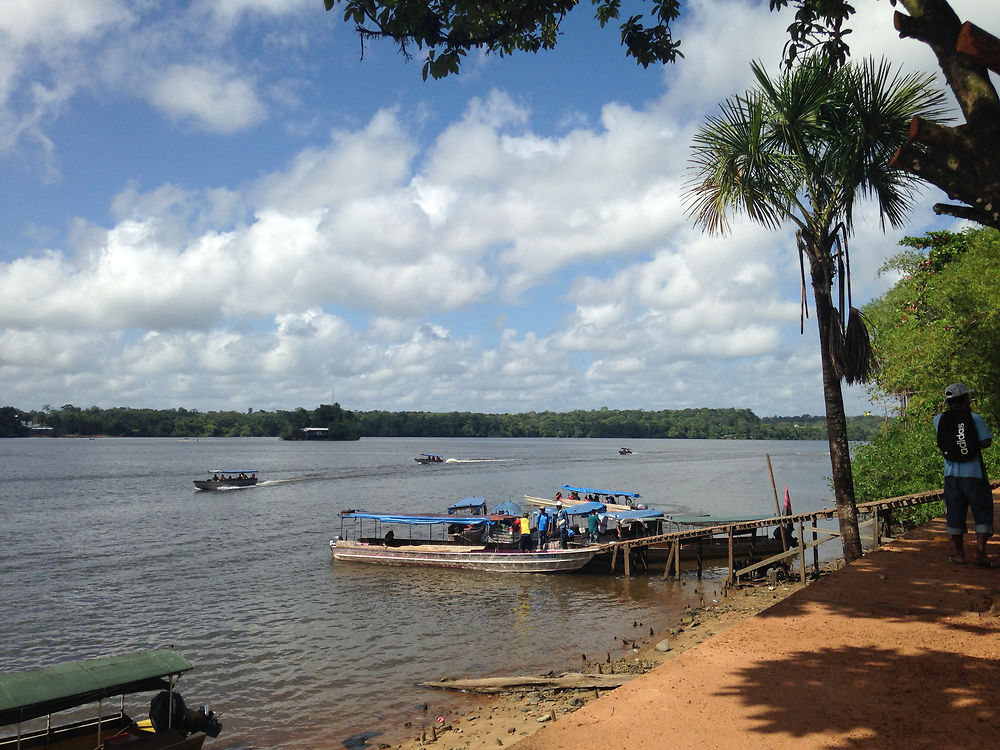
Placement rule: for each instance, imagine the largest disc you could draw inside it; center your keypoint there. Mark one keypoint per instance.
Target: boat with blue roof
(467, 537)
(568, 495)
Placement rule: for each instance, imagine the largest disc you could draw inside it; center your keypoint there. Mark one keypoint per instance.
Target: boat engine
(184, 719)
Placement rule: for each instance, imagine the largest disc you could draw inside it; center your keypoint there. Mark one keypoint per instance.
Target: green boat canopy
(39, 692)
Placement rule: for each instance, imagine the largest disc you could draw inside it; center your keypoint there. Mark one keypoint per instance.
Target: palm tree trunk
(821, 271)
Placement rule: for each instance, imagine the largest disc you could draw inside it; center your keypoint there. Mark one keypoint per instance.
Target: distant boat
(225, 480)
(624, 451)
(428, 458)
(27, 697)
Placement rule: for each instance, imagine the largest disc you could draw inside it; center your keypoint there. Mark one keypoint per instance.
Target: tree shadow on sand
(902, 696)
(912, 581)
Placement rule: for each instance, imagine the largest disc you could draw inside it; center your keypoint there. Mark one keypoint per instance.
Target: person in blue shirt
(961, 436)
(562, 525)
(543, 528)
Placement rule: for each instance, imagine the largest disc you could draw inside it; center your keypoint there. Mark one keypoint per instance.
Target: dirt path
(899, 649)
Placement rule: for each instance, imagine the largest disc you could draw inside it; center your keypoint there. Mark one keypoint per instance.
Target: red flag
(788, 502)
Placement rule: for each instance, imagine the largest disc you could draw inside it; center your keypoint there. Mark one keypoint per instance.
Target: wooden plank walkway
(633, 549)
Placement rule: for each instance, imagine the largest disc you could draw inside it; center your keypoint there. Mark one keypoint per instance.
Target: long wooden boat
(614, 500)
(467, 557)
(227, 480)
(26, 697)
(496, 554)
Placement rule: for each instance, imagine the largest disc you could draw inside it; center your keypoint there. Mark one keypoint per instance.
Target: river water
(105, 547)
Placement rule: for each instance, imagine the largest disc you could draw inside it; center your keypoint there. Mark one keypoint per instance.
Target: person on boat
(254, 475)
(593, 524)
(215, 478)
(558, 497)
(562, 525)
(524, 525)
(390, 539)
(543, 528)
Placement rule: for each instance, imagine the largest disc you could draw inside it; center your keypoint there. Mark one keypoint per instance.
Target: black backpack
(957, 437)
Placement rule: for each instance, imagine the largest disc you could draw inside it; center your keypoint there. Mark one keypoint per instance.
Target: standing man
(562, 525)
(524, 523)
(593, 524)
(961, 436)
(543, 528)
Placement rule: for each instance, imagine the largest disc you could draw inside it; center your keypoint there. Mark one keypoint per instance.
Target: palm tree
(801, 148)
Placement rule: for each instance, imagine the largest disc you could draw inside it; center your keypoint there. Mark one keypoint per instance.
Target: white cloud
(213, 96)
(488, 259)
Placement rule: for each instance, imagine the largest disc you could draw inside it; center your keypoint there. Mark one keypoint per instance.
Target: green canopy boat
(30, 695)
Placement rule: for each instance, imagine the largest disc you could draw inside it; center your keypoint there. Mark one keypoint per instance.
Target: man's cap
(559, 505)
(956, 390)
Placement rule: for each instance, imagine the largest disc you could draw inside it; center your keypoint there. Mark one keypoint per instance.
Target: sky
(224, 204)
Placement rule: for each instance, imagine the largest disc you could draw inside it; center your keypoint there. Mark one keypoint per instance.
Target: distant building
(316, 433)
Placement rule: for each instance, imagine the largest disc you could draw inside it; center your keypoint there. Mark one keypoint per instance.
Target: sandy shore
(901, 648)
(481, 722)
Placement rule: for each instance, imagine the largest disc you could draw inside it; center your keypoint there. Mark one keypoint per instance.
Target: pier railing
(634, 549)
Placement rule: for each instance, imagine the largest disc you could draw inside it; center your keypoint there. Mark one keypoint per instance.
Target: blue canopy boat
(607, 496)
(615, 500)
(452, 549)
(472, 506)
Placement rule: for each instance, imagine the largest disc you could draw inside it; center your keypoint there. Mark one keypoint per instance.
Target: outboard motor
(183, 719)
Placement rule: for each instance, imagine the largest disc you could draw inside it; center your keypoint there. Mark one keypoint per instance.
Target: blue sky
(219, 205)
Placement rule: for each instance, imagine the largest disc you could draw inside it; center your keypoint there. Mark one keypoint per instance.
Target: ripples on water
(105, 547)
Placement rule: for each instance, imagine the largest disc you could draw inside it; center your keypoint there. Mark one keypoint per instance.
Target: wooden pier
(635, 551)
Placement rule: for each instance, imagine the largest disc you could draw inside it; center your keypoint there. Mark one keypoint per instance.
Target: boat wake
(480, 460)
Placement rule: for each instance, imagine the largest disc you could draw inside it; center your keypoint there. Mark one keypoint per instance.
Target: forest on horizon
(734, 424)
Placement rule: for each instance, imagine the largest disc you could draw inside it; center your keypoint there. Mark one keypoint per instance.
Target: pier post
(732, 567)
(802, 554)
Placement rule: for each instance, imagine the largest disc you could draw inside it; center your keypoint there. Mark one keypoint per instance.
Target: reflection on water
(106, 547)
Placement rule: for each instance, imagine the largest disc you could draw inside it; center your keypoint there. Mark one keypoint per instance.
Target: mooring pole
(777, 505)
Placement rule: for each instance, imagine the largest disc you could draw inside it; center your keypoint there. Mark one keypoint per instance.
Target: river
(105, 547)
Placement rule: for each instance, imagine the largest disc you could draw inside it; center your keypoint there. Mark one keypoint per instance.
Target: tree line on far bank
(734, 424)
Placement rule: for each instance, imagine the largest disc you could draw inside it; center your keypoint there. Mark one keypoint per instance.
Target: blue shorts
(963, 493)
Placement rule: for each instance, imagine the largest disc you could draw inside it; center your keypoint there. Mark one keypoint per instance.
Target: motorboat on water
(32, 700)
(471, 542)
(624, 451)
(429, 458)
(226, 480)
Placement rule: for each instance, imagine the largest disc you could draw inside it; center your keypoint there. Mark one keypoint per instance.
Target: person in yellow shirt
(524, 523)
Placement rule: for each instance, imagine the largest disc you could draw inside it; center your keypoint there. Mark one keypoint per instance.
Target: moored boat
(227, 480)
(495, 553)
(32, 699)
(750, 543)
(614, 500)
